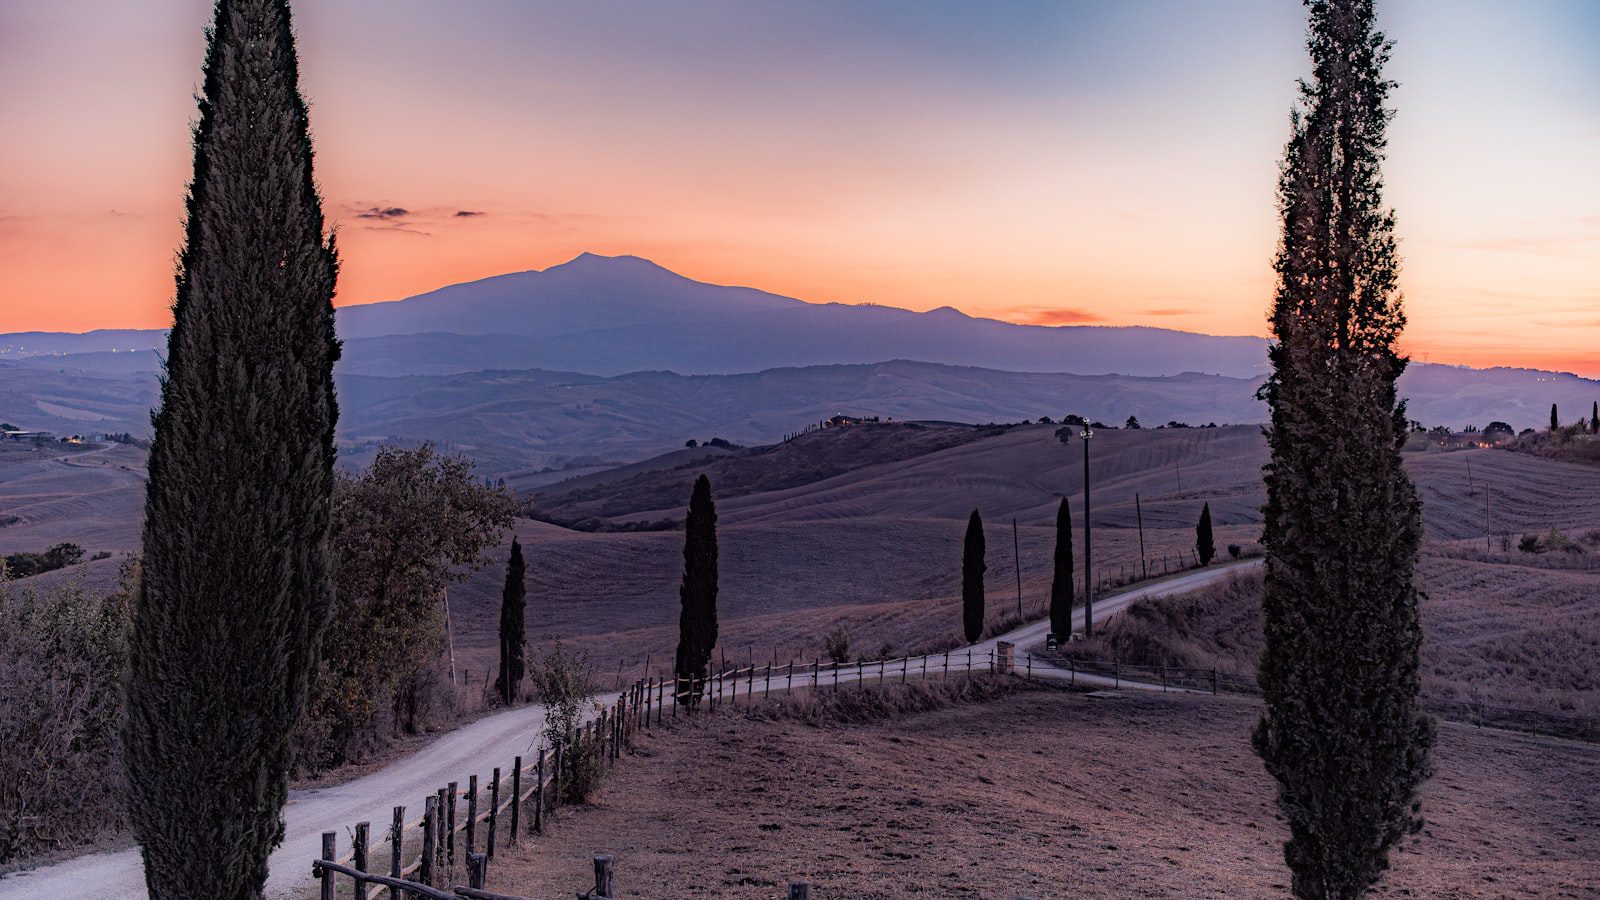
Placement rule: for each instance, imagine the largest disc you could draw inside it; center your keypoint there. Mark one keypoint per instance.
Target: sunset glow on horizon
(1103, 163)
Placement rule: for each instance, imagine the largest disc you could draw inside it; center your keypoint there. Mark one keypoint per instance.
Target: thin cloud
(468, 213)
(1058, 316)
(1171, 311)
(387, 213)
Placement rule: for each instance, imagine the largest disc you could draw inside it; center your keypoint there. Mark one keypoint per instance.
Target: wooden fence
(1582, 728)
(418, 857)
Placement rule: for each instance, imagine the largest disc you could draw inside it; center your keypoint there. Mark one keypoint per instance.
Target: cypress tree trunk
(1342, 732)
(1061, 584)
(972, 569)
(697, 618)
(513, 615)
(237, 565)
(1204, 543)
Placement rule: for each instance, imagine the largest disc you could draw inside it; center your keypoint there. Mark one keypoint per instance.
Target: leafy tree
(1204, 544)
(405, 528)
(1061, 584)
(1342, 732)
(564, 684)
(972, 569)
(1498, 428)
(237, 563)
(697, 595)
(63, 660)
(513, 638)
(1133, 422)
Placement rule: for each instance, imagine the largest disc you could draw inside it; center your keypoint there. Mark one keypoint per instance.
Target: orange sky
(1068, 164)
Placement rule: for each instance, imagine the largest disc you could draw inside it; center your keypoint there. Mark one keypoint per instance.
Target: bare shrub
(564, 682)
(836, 644)
(62, 657)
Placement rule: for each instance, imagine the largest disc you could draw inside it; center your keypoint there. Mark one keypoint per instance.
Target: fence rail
(1582, 728)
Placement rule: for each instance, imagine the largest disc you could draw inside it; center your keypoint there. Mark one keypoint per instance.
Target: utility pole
(1016, 554)
(1088, 530)
(449, 637)
(1138, 510)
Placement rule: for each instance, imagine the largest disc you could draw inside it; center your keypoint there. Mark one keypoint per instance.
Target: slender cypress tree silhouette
(1205, 545)
(237, 564)
(513, 618)
(1342, 732)
(972, 569)
(1555, 418)
(697, 618)
(1594, 418)
(1061, 583)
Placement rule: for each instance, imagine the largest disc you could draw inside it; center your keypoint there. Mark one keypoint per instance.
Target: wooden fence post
(947, 665)
(816, 673)
(439, 843)
(363, 833)
(494, 809)
(789, 688)
(602, 876)
(516, 799)
(969, 662)
(750, 686)
(329, 853)
(904, 665)
(799, 890)
(397, 839)
(766, 687)
(472, 814)
(555, 776)
(430, 835)
(451, 790)
(477, 870)
(537, 825)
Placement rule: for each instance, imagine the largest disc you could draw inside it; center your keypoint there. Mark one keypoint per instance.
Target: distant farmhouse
(848, 421)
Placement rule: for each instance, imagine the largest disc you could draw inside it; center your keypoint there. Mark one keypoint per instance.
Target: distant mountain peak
(587, 263)
(948, 312)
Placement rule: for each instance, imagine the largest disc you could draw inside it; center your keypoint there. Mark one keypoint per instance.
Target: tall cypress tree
(1594, 418)
(1555, 418)
(1205, 545)
(513, 619)
(237, 565)
(972, 569)
(697, 618)
(1061, 583)
(1342, 732)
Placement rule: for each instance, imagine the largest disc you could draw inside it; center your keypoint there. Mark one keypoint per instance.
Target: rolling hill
(604, 360)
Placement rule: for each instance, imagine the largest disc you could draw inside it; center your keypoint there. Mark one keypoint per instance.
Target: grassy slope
(1039, 794)
(1504, 629)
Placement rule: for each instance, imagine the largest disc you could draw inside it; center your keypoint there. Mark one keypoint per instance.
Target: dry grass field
(1041, 794)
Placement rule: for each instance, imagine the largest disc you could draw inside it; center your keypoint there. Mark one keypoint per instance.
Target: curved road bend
(478, 747)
